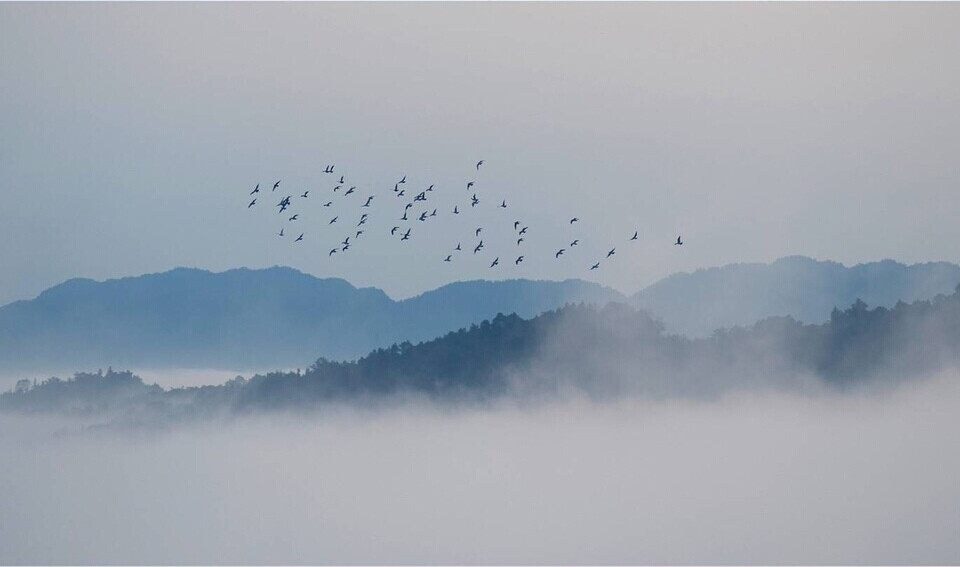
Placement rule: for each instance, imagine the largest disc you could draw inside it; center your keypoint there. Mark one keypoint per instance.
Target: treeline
(602, 352)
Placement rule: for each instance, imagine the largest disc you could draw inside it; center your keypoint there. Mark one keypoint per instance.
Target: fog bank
(757, 478)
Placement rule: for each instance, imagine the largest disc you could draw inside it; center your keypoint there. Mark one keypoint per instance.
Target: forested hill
(601, 352)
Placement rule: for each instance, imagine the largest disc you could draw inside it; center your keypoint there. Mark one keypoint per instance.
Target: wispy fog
(753, 478)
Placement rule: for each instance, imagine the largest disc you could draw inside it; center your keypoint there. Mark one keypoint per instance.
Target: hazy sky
(132, 133)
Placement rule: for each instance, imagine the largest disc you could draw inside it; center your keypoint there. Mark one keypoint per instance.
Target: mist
(865, 477)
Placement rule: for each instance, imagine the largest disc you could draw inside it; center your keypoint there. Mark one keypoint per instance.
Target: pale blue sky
(132, 134)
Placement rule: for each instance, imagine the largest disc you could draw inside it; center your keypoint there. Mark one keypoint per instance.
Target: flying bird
(255, 189)
(359, 232)
(635, 235)
(404, 180)
(370, 198)
(479, 163)
(469, 185)
(434, 213)
(299, 238)
(341, 179)
(458, 246)
(423, 216)
(479, 246)
(329, 169)
(519, 240)
(455, 211)
(611, 252)
(294, 217)
(523, 230)
(474, 201)
(252, 203)
(516, 224)
(336, 188)
(478, 231)
(574, 243)
(406, 235)
(573, 220)
(328, 203)
(404, 217)
(503, 205)
(305, 194)
(280, 233)
(394, 230)
(430, 188)
(495, 261)
(346, 241)
(559, 253)
(349, 191)
(678, 242)
(407, 206)
(518, 260)
(334, 250)
(401, 193)
(275, 185)
(595, 266)
(447, 259)
(333, 220)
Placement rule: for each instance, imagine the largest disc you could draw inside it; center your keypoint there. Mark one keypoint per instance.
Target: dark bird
(573, 220)
(595, 266)
(255, 189)
(329, 169)
(559, 253)
(401, 193)
(574, 243)
(404, 217)
(359, 232)
(328, 203)
(394, 230)
(447, 259)
(349, 191)
(469, 185)
(299, 238)
(678, 242)
(479, 163)
(341, 179)
(434, 213)
(406, 235)
(362, 222)
(611, 252)
(345, 248)
(503, 205)
(396, 187)
(523, 230)
(305, 194)
(346, 241)
(458, 246)
(635, 235)
(479, 246)
(407, 206)
(474, 201)
(336, 188)
(280, 233)
(333, 220)
(294, 217)
(421, 196)
(275, 185)
(518, 260)
(455, 211)
(519, 240)
(516, 224)
(252, 203)
(495, 261)
(423, 216)
(363, 216)
(478, 231)
(370, 198)
(430, 188)
(404, 180)
(334, 250)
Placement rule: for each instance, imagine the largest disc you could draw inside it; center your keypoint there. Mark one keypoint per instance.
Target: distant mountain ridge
(242, 318)
(280, 317)
(697, 303)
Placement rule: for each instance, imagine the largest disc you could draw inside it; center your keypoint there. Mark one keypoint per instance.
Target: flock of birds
(343, 197)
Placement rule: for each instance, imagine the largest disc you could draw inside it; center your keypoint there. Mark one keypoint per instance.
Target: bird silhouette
(448, 258)
(611, 252)
(335, 189)
(345, 248)
(573, 220)
(404, 217)
(341, 179)
(401, 193)
(294, 217)
(559, 253)
(479, 163)
(280, 233)
(469, 185)
(369, 199)
(458, 246)
(455, 211)
(406, 235)
(275, 185)
(252, 203)
(394, 230)
(635, 235)
(328, 203)
(255, 189)
(346, 241)
(503, 205)
(349, 191)
(407, 206)
(333, 220)
(518, 260)
(495, 261)
(595, 266)
(423, 216)
(478, 231)
(478, 248)
(678, 242)
(332, 251)
(434, 213)
(359, 232)
(430, 188)
(519, 240)
(299, 238)
(474, 201)
(516, 224)
(305, 193)
(523, 230)
(574, 243)
(404, 180)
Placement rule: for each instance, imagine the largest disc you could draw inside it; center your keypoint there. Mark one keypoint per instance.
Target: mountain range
(283, 318)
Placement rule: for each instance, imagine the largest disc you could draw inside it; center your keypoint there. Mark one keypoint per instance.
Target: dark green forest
(599, 352)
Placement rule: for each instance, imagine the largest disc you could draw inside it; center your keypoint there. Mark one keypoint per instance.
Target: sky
(133, 134)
